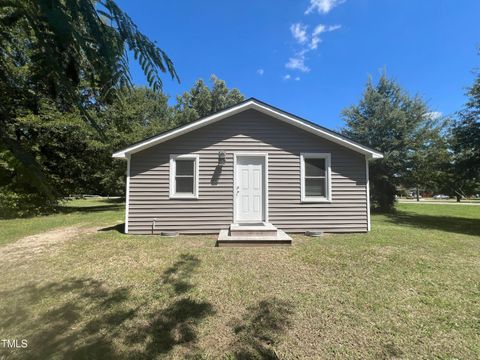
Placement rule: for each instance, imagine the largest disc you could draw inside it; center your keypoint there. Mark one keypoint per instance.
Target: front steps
(263, 234)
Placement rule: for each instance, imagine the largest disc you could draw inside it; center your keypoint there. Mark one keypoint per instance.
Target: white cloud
(286, 77)
(297, 63)
(299, 32)
(260, 72)
(309, 41)
(297, 78)
(320, 28)
(334, 27)
(323, 6)
(433, 115)
(314, 42)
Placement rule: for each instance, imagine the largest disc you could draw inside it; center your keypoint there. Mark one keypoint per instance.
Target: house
(250, 167)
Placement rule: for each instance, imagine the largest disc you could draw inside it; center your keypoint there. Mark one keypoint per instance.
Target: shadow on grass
(175, 324)
(171, 326)
(179, 273)
(109, 204)
(260, 329)
(118, 228)
(80, 318)
(67, 330)
(444, 223)
(97, 208)
(390, 351)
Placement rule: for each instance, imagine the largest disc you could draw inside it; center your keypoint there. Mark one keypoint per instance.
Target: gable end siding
(249, 131)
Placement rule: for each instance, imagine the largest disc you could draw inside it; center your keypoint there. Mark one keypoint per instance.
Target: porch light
(221, 157)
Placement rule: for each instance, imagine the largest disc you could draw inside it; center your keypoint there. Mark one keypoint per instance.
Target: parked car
(441, 196)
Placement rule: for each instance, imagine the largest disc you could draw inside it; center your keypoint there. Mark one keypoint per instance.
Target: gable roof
(258, 105)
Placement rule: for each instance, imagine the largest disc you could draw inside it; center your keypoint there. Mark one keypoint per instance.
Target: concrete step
(261, 229)
(281, 238)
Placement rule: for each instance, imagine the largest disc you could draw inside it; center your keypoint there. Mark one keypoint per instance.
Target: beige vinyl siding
(249, 131)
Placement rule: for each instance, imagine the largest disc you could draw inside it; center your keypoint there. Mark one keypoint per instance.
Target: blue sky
(313, 57)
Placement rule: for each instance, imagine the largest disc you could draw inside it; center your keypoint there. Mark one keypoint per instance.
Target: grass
(450, 200)
(408, 289)
(89, 212)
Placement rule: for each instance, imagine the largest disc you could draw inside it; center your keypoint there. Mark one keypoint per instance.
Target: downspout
(368, 192)
(154, 221)
(127, 194)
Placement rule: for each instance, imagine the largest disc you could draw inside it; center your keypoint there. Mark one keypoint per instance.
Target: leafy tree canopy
(71, 45)
(390, 120)
(71, 54)
(464, 169)
(466, 134)
(201, 101)
(73, 156)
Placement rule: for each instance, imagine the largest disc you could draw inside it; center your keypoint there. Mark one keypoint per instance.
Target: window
(184, 176)
(315, 177)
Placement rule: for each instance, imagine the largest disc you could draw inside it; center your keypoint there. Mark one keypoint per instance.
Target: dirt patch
(33, 245)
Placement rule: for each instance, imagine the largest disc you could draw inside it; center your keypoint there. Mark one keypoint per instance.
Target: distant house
(249, 165)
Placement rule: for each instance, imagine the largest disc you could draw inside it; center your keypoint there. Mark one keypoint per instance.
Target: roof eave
(124, 155)
(375, 156)
(318, 131)
(180, 131)
(119, 155)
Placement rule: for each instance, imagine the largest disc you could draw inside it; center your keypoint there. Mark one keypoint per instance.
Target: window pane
(185, 167)
(184, 185)
(314, 187)
(314, 167)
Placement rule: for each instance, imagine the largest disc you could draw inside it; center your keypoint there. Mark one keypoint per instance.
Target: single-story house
(250, 164)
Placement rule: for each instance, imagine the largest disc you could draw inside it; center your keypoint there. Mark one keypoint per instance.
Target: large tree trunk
(459, 197)
(418, 194)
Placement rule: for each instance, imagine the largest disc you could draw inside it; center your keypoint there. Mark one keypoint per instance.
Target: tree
(390, 120)
(466, 133)
(142, 113)
(201, 101)
(73, 53)
(75, 158)
(137, 114)
(426, 163)
(465, 145)
(73, 41)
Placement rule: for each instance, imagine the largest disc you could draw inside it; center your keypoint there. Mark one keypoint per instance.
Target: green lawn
(89, 212)
(408, 289)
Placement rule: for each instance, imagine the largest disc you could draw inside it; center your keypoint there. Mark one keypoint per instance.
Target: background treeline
(422, 149)
(75, 158)
(61, 63)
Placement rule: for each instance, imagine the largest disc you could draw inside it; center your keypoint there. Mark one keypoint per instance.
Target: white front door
(249, 192)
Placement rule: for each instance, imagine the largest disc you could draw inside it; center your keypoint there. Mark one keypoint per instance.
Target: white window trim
(328, 172)
(173, 158)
